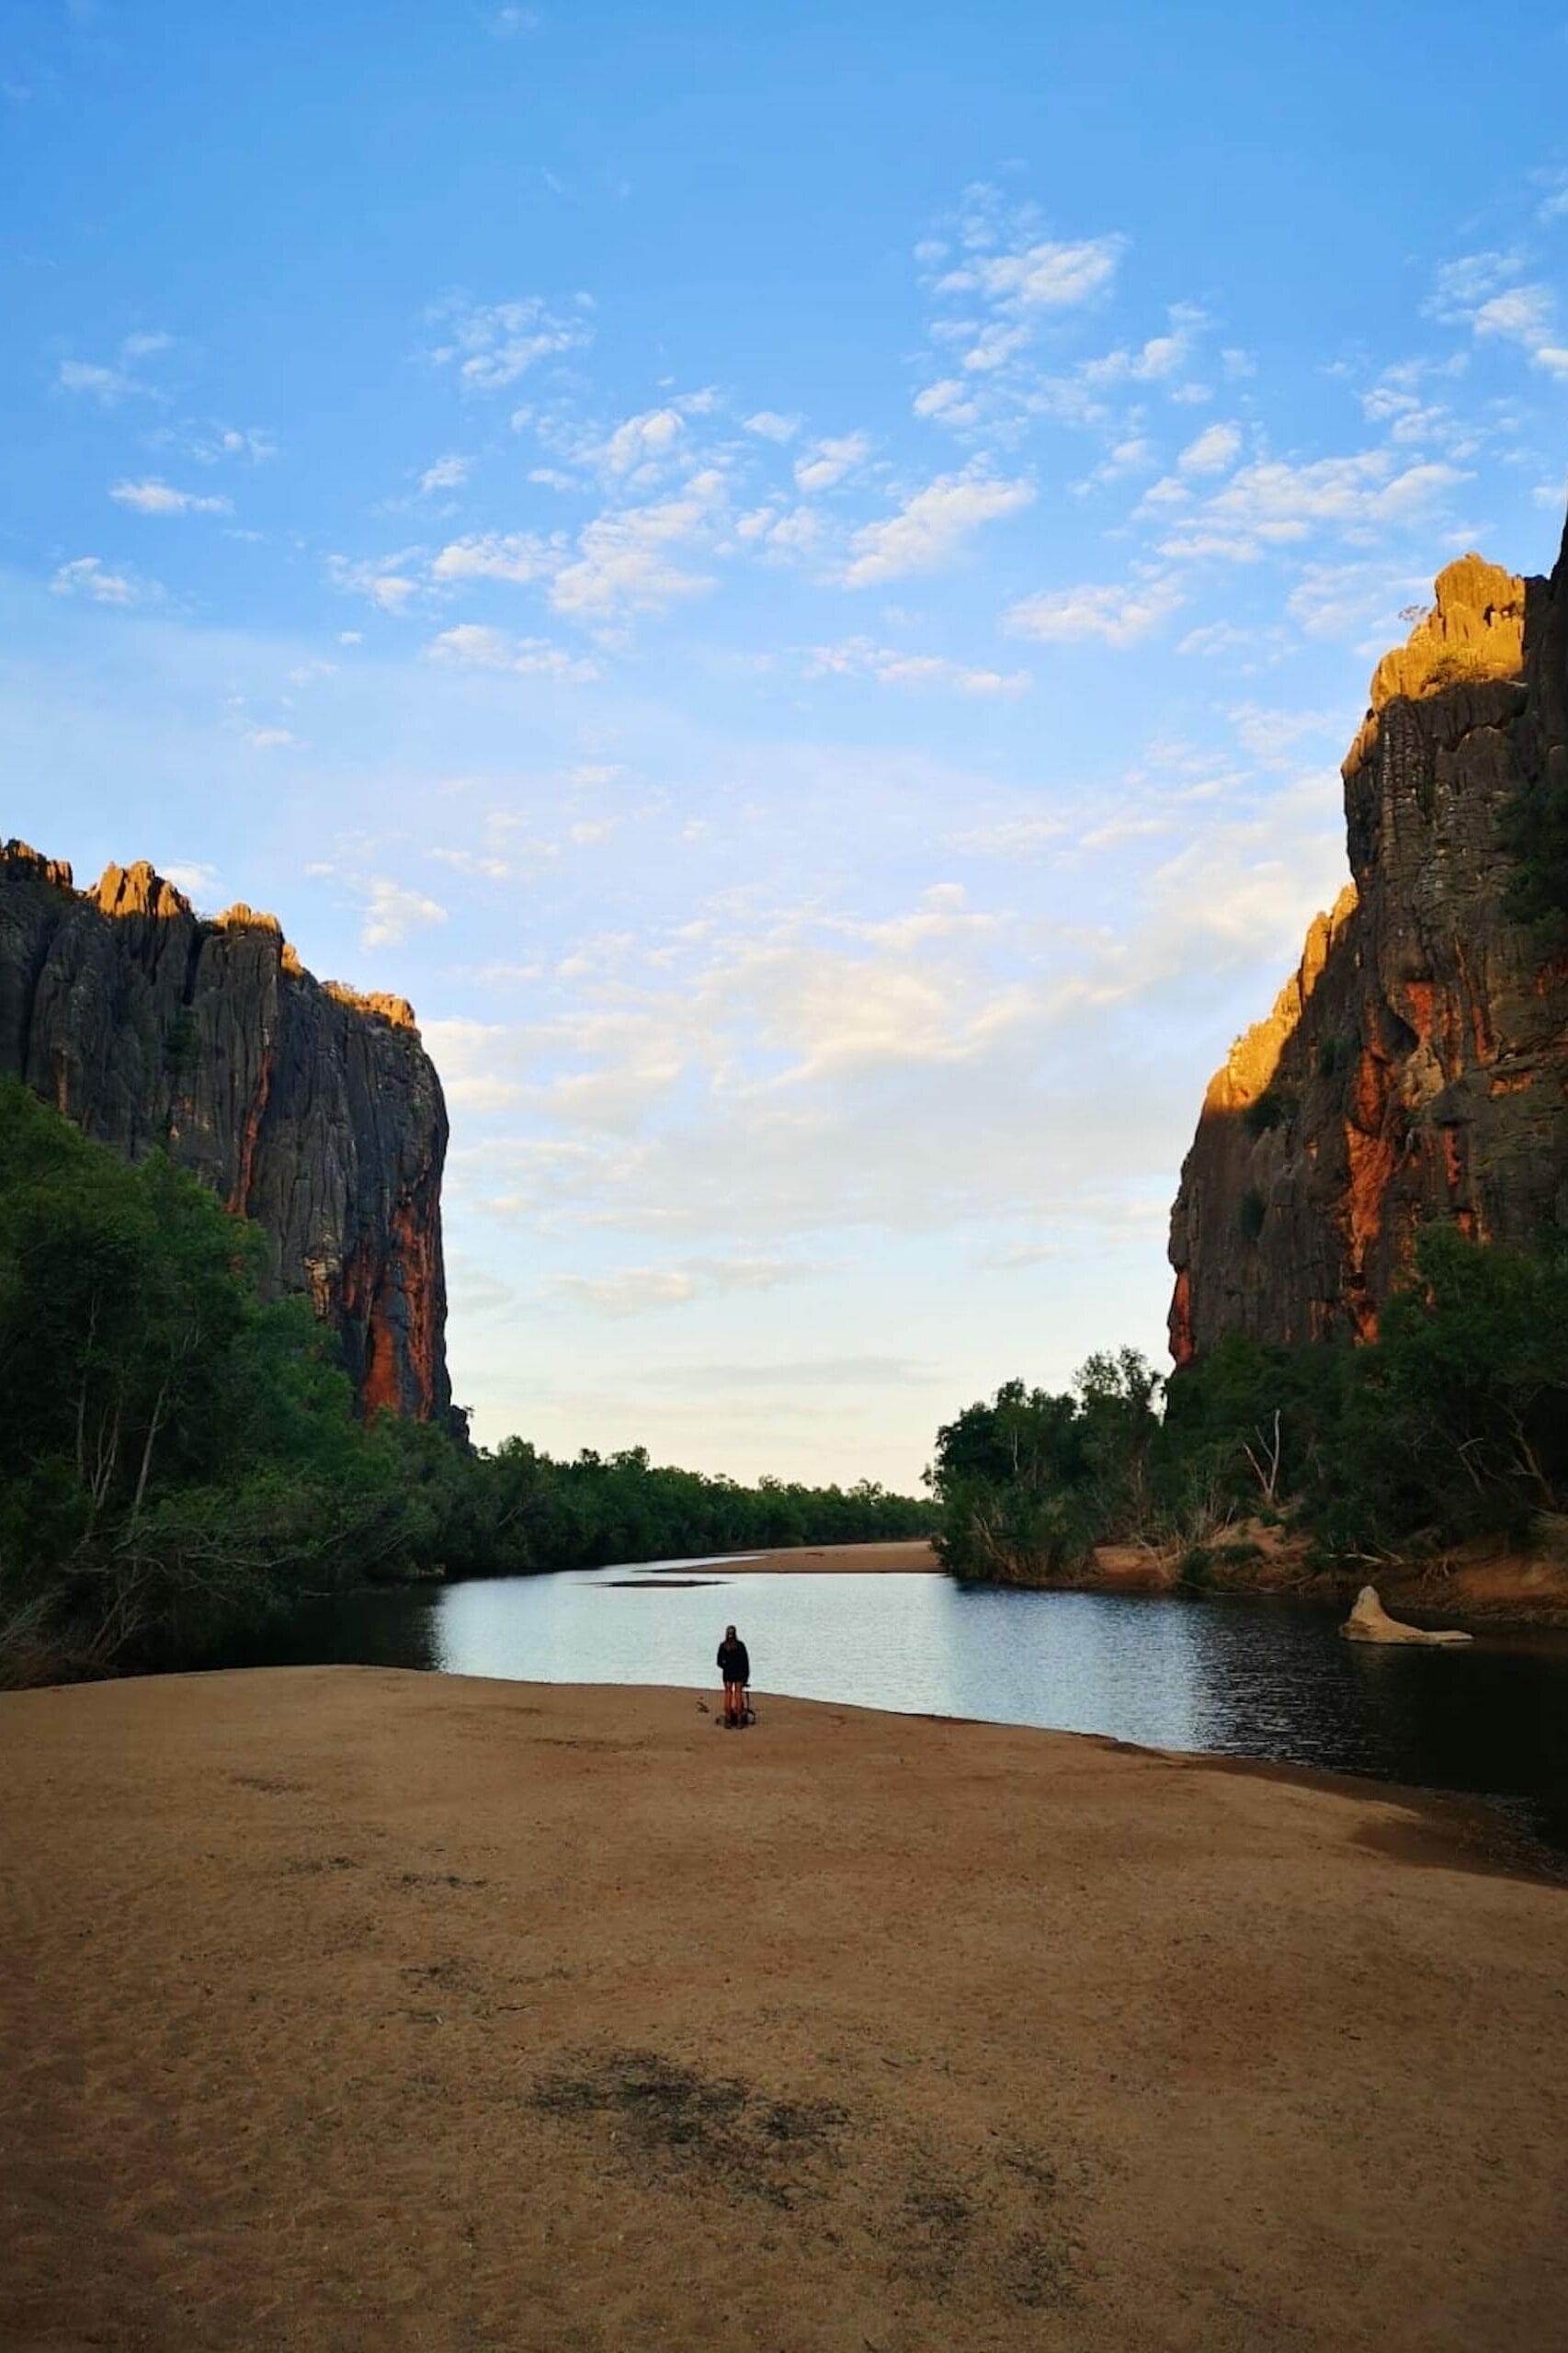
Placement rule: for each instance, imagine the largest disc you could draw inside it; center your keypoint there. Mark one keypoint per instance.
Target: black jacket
(733, 1663)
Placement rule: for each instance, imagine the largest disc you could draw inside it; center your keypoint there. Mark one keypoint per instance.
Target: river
(1232, 1677)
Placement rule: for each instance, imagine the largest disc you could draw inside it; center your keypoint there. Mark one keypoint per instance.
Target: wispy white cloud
(1462, 285)
(643, 440)
(1274, 738)
(1276, 502)
(106, 384)
(1133, 456)
(624, 561)
(933, 526)
(1403, 399)
(387, 581)
(998, 283)
(492, 344)
(152, 497)
(110, 384)
(826, 463)
(1116, 831)
(196, 879)
(393, 913)
(446, 473)
(1118, 615)
(634, 1291)
(784, 534)
(494, 649)
(862, 657)
(1359, 600)
(1158, 360)
(210, 444)
(1214, 452)
(810, 1049)
(517, 556)
(996, 278)
(1000, 275)
(1488, 293)
(771, 426)
(88, 575)
(1012, 837)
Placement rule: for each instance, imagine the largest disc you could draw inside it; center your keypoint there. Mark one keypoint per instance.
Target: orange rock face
(311, 1109)
(1416, 1066)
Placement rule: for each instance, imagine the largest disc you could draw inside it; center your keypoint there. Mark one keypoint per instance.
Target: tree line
(180, 1459)
(1451, 1424)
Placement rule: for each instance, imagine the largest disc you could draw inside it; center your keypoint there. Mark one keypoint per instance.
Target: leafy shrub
(1459, 667)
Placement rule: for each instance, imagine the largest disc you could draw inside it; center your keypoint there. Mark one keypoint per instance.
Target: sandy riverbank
(904, 1559)
(356, 2009)
(1487, 1588)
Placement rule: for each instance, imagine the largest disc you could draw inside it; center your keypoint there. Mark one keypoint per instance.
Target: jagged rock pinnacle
(1416, 1066)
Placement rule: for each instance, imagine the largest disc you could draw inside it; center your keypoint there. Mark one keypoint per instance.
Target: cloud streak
(933, 526)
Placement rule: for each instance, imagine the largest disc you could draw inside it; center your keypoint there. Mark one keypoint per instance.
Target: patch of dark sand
(666, 2113)
(932, 2208)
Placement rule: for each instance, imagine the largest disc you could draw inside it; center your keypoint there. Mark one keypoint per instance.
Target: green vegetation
(180, 1459)
(516, 1510)
(1028, 1483)
(1453, 1425)
(175, 1454)
(1463, 668)
(1535, 833)
(1251, 1210)
(1272, 1109)
(181, 1040)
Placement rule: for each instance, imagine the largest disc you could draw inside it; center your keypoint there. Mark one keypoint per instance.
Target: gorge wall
(1415, 1067)
(311, 1110)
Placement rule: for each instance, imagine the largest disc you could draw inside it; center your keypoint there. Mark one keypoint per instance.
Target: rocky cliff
(311, 1110)
(1416, 1065)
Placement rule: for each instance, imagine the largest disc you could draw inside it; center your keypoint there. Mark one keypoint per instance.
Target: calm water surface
(1239, 1679)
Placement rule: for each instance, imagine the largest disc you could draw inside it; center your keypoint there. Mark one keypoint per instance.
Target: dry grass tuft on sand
(352, 2009)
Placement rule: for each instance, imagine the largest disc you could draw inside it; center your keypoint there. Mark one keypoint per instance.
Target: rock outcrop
(1416, 1066)
(1369, 1622)
(307, 1108)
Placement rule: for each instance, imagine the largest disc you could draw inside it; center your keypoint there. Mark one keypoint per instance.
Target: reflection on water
(1236, 1678)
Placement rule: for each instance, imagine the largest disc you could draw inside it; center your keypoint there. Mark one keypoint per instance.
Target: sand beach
(351, 2008)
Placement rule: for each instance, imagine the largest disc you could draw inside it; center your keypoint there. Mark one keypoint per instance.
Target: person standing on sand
(734, 1665)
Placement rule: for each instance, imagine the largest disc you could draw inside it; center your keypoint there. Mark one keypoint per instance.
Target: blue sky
(796, 579)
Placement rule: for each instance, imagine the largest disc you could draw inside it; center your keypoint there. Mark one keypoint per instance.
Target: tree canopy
(181, 1458)
(1453, 1424)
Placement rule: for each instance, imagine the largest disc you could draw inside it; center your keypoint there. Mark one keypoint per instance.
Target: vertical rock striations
(311, 1110)
(1416, 1067)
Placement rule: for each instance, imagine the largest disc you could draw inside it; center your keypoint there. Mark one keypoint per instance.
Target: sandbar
(904, 1558)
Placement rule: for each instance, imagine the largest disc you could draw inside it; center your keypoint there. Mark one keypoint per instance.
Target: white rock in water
(1369, 1622)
